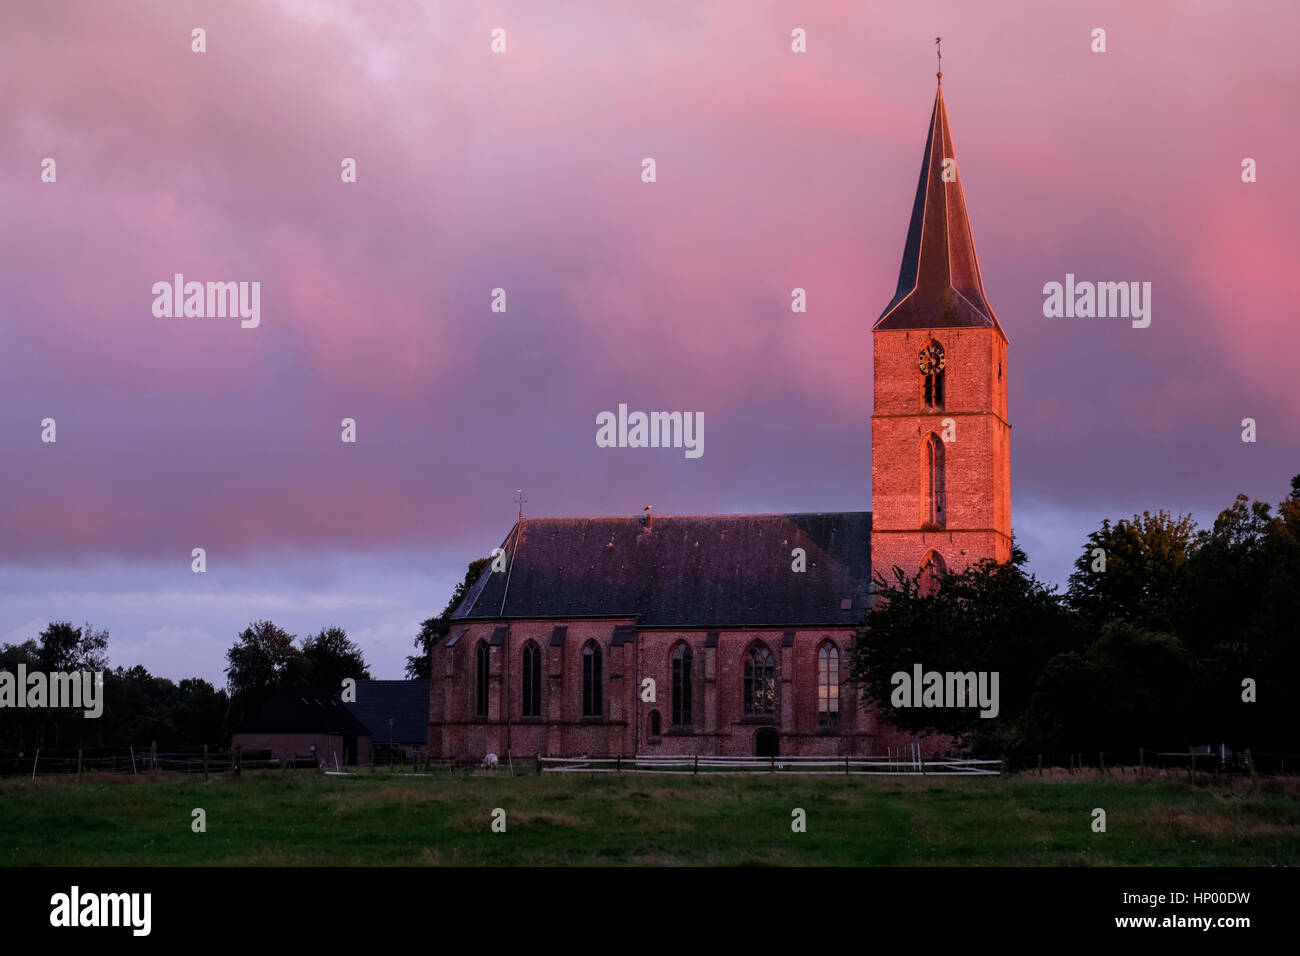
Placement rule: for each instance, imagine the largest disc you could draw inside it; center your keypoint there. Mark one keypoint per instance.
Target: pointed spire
(939, 284)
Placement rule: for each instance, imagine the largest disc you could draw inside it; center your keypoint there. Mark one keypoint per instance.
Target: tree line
(1167, 636)
(140, 707)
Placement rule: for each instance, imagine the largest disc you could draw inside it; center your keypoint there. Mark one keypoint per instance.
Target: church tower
(940, 439)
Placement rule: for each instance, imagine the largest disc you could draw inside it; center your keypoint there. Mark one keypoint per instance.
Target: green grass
(300, 818)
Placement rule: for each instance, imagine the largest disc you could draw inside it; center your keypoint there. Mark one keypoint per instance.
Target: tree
(263, 659)
(989, 617)
(141, 711)
(60, 647)
(1144, 559)
(1239, 613)
(200, 712)
(435, 629)
(330, 657)
(1128, 685)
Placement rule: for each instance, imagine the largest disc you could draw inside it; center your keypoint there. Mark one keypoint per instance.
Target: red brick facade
(976, 486)
(719, 723)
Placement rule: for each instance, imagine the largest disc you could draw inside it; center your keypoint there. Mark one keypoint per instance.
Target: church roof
(939, 284)
(683, 570)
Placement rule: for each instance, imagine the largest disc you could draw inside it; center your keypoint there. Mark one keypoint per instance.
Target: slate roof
(406, 701)
(686, 570)
(305, 710)
(939, 282)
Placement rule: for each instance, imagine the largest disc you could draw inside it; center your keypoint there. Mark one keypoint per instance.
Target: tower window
(931, 362)
(932, 482)
(934, 390)
(932, 569)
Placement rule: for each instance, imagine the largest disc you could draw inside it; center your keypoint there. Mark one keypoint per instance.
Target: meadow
(302, 818)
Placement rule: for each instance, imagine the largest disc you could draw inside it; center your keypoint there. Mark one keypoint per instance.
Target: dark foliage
(435, 629)
(1153, 646)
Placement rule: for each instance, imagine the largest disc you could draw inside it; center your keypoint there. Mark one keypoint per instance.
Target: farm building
(303, 723)
(397, 715)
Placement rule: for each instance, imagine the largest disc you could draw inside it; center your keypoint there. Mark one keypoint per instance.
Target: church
(743, 624)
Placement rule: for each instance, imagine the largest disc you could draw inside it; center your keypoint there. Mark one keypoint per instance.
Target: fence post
(846, 765)
(1040, 765)
(238, 763)
(771, 764)
(35, 762)
(1250, 763)
(1191, 768)
(1101, 761)
(922, 761)
(697, 764)
(618, 764)
(205, 761)
(1142, 761)
(79, 764)
(1071, 763)
(153, 754)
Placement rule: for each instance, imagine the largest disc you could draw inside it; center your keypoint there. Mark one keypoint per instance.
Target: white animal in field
(489, 762)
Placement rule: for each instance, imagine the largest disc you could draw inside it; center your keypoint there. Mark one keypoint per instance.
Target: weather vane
(939, 50)
(519, 493)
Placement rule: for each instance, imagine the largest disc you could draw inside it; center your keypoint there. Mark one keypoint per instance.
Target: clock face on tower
(931, 359)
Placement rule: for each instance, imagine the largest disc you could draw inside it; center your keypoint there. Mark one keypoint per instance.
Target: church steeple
(939, 284)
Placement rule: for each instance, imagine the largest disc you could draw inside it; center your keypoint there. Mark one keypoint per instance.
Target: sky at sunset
(522, 171)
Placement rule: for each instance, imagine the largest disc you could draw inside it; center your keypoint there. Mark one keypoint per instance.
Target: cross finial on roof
(939, 50)
(519, 496)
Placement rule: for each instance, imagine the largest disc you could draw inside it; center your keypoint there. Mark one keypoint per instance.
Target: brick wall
(977, 522)
(719, 724)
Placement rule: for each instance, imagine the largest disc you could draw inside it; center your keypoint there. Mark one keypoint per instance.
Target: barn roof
(682, 570)
(405, 701)
(304, 710)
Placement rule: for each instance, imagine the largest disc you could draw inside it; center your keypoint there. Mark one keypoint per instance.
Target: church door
(767, 743)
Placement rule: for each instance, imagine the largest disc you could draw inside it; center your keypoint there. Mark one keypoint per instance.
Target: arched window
(828, 686)
(481, 679)
(760, 681)
(931, 362)
(932, 482)
(932, 568)
(591, 697)
(655, 726)
(682, 684)
(532, 680)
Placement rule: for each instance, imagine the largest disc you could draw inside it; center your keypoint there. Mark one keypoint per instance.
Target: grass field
(301, 818)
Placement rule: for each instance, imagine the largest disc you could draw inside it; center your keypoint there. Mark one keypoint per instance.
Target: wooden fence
(844, 766)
